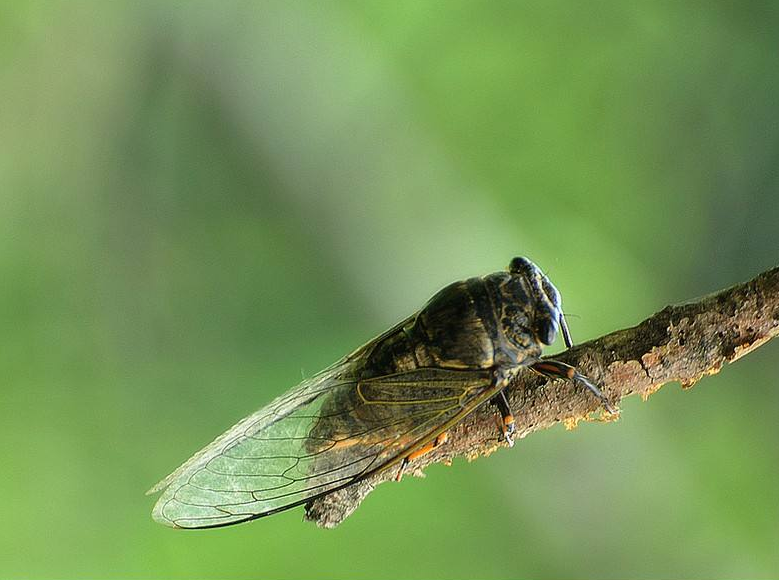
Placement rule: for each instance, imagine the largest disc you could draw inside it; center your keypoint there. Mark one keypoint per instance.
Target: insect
(380, 407)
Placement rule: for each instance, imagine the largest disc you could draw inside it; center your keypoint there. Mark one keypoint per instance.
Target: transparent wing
(328, 432)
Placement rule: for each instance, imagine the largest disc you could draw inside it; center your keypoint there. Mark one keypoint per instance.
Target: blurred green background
(202, 202)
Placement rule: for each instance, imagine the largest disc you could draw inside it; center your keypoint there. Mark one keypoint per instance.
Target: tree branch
(680, 343)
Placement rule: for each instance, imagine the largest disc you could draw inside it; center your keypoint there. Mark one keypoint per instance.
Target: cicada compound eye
(521, 265)
(546, 329)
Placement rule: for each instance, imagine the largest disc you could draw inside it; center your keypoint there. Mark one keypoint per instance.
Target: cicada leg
(426, 448)
(559, 370)
(507, 425)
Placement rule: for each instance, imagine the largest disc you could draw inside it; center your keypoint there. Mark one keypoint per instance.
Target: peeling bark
(681, 343)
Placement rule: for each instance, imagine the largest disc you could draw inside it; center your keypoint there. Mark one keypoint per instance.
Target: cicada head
(531, 309)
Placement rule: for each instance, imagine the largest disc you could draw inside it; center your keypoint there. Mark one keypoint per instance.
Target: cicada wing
(325, 434)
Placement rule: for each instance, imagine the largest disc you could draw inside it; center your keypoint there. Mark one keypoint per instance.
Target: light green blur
(201, 203)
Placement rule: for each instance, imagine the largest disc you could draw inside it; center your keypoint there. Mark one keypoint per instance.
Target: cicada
(380, 407)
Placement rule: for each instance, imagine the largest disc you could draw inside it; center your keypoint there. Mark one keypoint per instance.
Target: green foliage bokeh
(202, 202)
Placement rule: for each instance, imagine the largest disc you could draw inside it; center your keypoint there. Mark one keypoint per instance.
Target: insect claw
(608, 406)
(577, 376)
(509, 439)
(401, 469)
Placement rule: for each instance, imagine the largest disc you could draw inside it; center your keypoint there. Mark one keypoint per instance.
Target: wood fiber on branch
(681, 343)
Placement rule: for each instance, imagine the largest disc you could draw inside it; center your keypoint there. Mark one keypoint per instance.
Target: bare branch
(681, 343)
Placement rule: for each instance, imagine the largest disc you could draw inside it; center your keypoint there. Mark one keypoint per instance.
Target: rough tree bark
(681, 343)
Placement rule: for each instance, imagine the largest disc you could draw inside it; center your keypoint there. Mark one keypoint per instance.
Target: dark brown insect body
(385, 404)
(498, 322)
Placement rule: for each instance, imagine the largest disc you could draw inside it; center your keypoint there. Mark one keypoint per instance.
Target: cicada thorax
(480, 323)
(476, 324)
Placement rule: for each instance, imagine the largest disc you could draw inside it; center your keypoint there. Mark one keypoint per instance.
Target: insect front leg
(559, 370)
